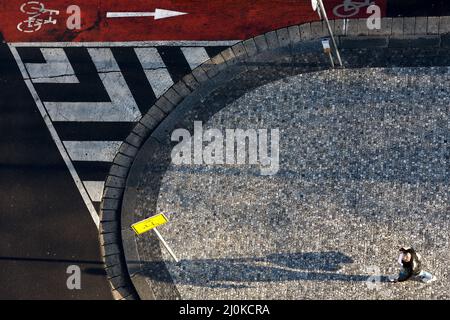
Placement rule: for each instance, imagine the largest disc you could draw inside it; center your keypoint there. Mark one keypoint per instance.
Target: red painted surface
(206, 19)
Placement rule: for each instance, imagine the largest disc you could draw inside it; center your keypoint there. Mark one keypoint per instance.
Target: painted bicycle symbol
(38, 16)
(351, 8)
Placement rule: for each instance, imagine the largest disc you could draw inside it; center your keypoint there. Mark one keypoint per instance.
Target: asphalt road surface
(44, 224)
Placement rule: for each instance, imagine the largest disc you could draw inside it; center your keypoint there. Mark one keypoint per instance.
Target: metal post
(331, 59)
(324, 14)
(166, 245)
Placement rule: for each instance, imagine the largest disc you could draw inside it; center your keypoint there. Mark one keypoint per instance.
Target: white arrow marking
(158, 14)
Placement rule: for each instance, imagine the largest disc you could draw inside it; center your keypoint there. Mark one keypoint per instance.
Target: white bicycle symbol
(38, 16)
(351, 8)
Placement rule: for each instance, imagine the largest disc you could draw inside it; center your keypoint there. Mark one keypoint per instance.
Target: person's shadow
(279, 267)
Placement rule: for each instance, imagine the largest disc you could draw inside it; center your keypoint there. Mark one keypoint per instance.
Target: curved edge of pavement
(118, 242)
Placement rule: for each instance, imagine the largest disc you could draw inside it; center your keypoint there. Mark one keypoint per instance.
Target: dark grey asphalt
(44, 224)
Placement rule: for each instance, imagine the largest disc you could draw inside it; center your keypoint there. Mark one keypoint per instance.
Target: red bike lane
(52, 20)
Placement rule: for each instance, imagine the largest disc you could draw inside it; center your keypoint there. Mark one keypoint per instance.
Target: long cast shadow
(237, 273)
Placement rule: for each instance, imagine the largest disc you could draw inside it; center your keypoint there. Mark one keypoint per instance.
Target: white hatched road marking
(195, 56)
(122, 108)
(95, 189)
(103, 151)
(157, 74)
(57, 69)
(58, 142)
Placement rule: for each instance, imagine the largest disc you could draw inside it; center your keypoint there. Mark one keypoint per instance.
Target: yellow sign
(149, 223)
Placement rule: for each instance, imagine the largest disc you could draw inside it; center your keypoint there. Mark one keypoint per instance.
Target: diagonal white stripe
(57, 68)
(157, 74)
(103, 151)
(95, 189)
(195, 56)
(122, 107)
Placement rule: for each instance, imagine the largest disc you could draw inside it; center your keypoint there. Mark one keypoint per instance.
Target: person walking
(411, 269)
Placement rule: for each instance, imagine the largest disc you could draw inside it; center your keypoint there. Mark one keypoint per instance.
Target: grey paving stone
(433, 25)
(219, 62)
(305, 31)
(111, 249)
(118, 171)
(250, 47)
(113, 193)
(199, 75)
(114, 271)
(421, 25)
(190, 82)
(123, 160)
(272, 40)
(135, 140)
(397, 26)
(409, 25)
(181, 88)
(156, 113)
(118, 282)
(339, 27)
(166, 105)
(109, 238)
(115, 182)
(109, 215)
(108, 227)
(210, 68)
(149, 121)
(386, 28)
(444, 24)
(363, 30)
(112, 260)
(172, 96)
(228, 56)
(143, 131)
(352, 27)
(283, 37)
(239, 51)
(128, 149)
(294, 34)
(261, 43)
(318, 29)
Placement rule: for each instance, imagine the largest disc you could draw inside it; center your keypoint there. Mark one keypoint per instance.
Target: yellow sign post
(151, 224)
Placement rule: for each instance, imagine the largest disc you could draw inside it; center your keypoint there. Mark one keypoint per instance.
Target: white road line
(87, 112)
(95, 189)
(56, 138)
(177, 43)
(157, 74)
(160, 81)
(57, 68)
(195, 56)
(122, 108)
(149, 58)
(103, 151)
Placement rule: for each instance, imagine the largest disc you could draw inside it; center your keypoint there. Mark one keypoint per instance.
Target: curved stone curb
(118, 243)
